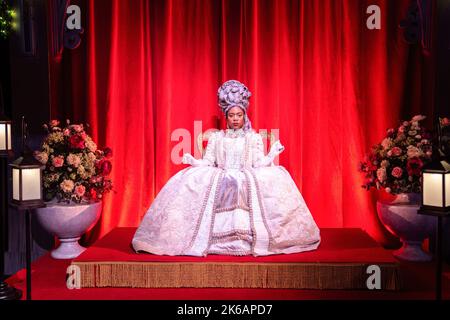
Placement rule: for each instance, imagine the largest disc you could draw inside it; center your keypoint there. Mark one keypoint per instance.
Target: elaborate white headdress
(235, 94)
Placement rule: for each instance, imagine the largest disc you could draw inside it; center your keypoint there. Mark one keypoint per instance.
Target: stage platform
(341, 262)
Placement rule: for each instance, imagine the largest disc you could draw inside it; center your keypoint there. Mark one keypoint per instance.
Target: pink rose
(397, 172)
(66, 132)
(80, 190)
(401, 129)
(54, 123)
(445, 122)
(58, 162)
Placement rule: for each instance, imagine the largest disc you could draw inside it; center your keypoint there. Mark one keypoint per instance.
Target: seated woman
(234, 201)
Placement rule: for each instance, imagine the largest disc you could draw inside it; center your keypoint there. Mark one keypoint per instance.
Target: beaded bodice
(234, 145)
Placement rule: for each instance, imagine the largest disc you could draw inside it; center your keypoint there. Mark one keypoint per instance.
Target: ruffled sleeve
(210, 153)
(209, 158)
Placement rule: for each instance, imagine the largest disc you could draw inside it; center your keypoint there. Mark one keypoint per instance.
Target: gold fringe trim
(234, 275)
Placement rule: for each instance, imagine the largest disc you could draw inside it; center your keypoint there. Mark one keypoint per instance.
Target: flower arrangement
(396, 163)
(445, 122)
(75, 169)
(445, 136)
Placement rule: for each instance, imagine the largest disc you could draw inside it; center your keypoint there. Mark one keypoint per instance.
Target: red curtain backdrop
(330, 85)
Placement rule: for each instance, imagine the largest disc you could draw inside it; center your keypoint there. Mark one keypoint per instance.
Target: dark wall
(29, 66)
(24, 74)
(443, 58)
(442, 98)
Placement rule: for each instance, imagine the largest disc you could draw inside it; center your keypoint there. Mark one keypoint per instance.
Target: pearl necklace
(231, 133)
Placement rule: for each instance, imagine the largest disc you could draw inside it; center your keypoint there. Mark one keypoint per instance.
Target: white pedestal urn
(401, 218)
(68, 222)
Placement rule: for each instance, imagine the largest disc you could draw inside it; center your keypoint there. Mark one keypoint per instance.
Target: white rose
(73, 160)
(91, 145)
(67, 185)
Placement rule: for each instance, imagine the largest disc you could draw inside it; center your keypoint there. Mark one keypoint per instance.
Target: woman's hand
(276, 149)
(188, 159)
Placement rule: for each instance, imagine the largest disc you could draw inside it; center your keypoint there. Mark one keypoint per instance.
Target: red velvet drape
(318, 75)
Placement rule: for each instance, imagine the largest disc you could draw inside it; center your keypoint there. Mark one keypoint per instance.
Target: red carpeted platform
(340, 262)
(49, 283)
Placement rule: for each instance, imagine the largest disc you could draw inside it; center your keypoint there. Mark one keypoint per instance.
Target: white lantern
(5, 136)
(436, 187)
(27, 182)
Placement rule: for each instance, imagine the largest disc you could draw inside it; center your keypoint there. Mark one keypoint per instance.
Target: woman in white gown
(234, 201)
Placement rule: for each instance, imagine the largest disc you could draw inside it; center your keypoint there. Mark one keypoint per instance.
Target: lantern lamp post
(436, 200)
(27, 192)
(5, 136)
(7, 292)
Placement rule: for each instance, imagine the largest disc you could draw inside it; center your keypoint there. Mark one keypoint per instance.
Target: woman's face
(235, 118)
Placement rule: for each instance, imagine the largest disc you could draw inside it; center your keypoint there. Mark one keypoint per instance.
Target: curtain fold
(147, 75)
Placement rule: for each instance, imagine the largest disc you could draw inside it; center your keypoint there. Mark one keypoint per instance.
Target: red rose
(104, 167)
(76, 142)
(414, 167)
(396, 151)
(93, 194)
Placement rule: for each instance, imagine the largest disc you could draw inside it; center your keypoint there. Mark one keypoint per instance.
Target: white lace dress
(233, 202)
